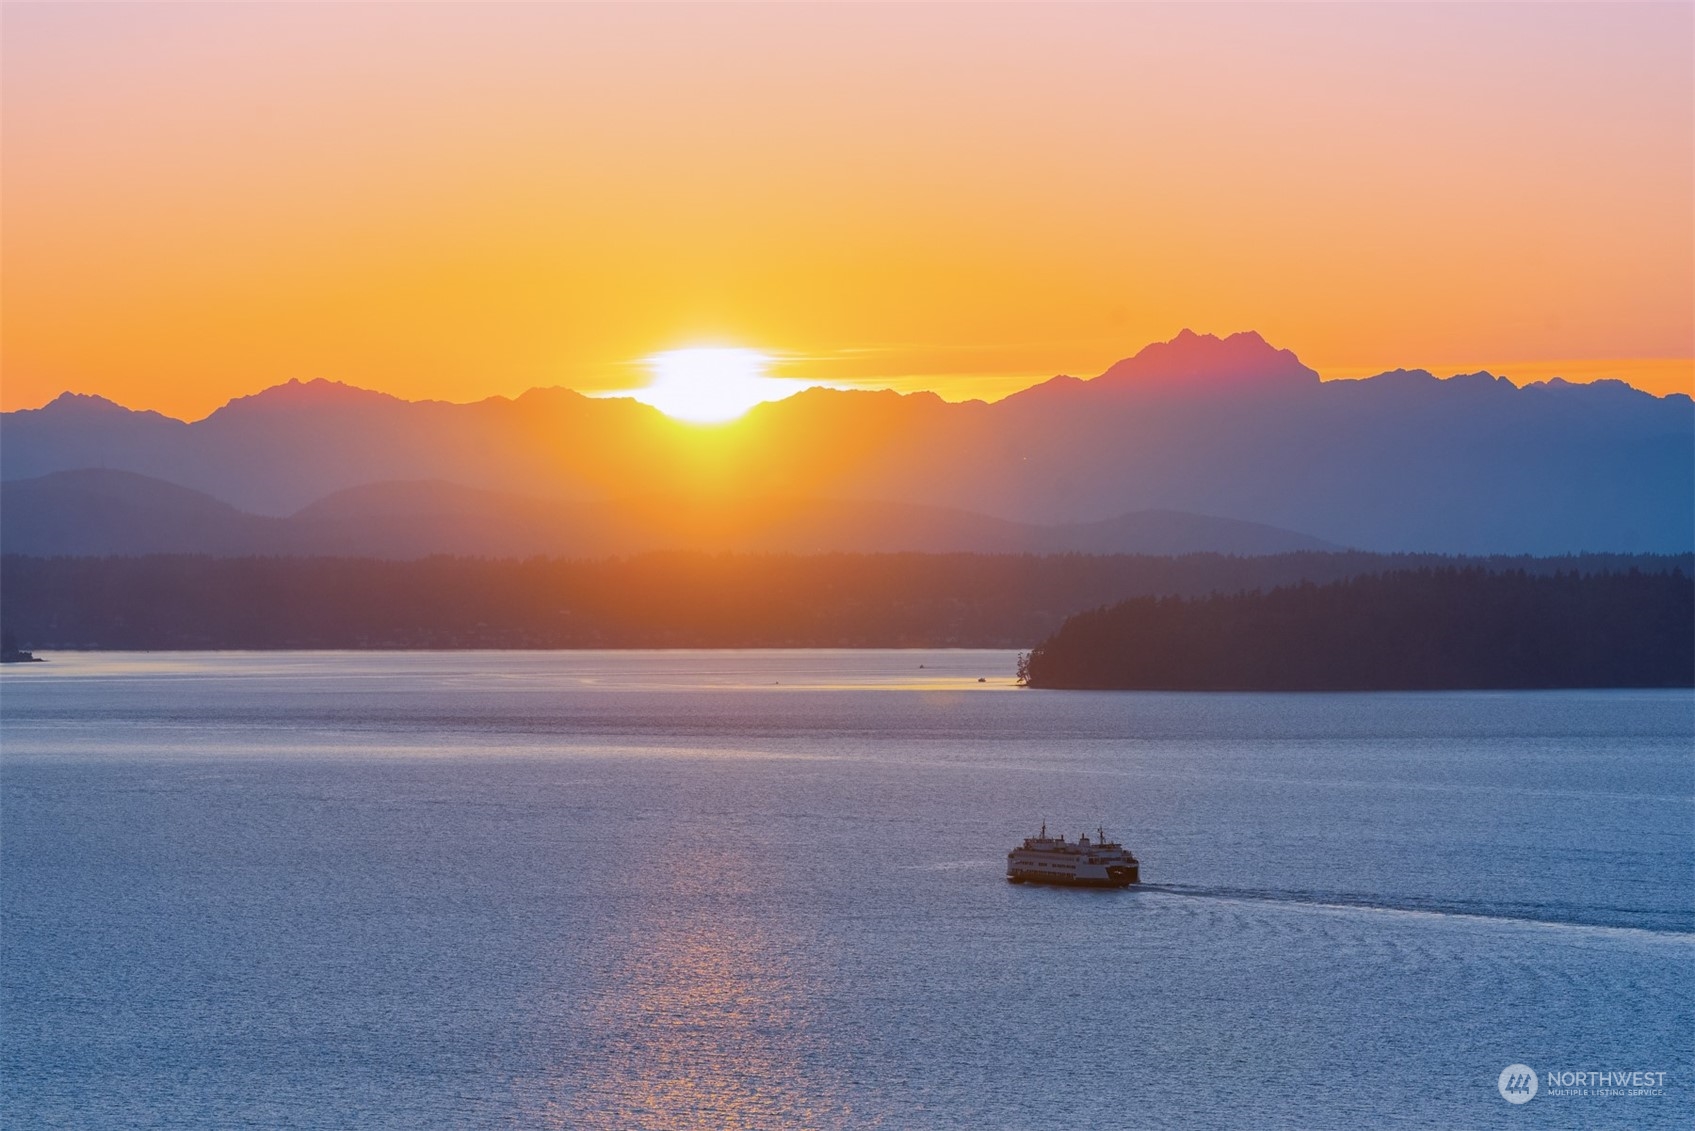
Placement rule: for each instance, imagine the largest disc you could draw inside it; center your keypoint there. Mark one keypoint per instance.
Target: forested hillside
(652, 600)
(1410, 629)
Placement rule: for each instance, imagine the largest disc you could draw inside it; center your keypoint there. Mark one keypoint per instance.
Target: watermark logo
(1606, 1083)
(1517, 1084)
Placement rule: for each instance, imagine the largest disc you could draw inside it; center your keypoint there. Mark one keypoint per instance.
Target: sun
(711, 385)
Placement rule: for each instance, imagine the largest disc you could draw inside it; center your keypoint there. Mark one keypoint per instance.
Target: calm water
(764, 889)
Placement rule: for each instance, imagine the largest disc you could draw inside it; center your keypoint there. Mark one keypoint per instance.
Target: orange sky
(455, 201)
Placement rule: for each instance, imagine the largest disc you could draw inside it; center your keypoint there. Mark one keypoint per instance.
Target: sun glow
(711, 385)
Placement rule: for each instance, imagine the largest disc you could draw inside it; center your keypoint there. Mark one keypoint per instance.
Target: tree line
(648, 601)
(1443, 628)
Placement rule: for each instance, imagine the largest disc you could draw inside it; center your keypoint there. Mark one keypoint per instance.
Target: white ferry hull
(1115, 878)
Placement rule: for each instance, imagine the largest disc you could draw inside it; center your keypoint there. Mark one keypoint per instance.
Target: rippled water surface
(764, 889)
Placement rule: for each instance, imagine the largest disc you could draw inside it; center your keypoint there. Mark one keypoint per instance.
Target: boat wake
(1658, 921)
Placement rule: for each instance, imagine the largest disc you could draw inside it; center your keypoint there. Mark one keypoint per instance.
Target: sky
(457, 201)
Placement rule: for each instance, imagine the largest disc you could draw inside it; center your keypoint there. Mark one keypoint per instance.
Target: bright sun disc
(711, 386)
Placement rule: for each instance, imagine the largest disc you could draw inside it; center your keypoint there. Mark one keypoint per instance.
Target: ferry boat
(1100, 863)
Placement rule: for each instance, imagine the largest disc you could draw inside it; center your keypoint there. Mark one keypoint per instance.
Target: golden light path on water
(702, 1021)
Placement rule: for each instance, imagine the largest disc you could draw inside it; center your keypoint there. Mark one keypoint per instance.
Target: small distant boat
(1100, 863)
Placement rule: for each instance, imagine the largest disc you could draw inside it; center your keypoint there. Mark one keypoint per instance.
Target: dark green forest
(653, 600)
(1421, 629)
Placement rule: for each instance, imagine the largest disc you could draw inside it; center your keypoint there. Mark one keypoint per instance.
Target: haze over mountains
(1177, 447)
(96, 511)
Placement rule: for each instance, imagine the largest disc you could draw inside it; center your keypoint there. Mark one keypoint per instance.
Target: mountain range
(1203, 442)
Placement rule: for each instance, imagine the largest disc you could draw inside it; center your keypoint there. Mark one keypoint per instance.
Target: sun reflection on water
(700, 1022)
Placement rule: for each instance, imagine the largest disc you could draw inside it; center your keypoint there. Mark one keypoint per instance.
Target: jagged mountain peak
(81, 404)
(1482, 380)
(316, 393)
(1193, 362)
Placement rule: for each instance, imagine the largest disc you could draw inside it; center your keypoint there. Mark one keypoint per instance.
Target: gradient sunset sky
(454, 201)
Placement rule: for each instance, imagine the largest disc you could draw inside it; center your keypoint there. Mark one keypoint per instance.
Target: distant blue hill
(98, 512)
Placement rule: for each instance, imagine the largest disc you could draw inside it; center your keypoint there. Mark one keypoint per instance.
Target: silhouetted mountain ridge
(313, 395)
(1229, 427)
(1203, 362)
